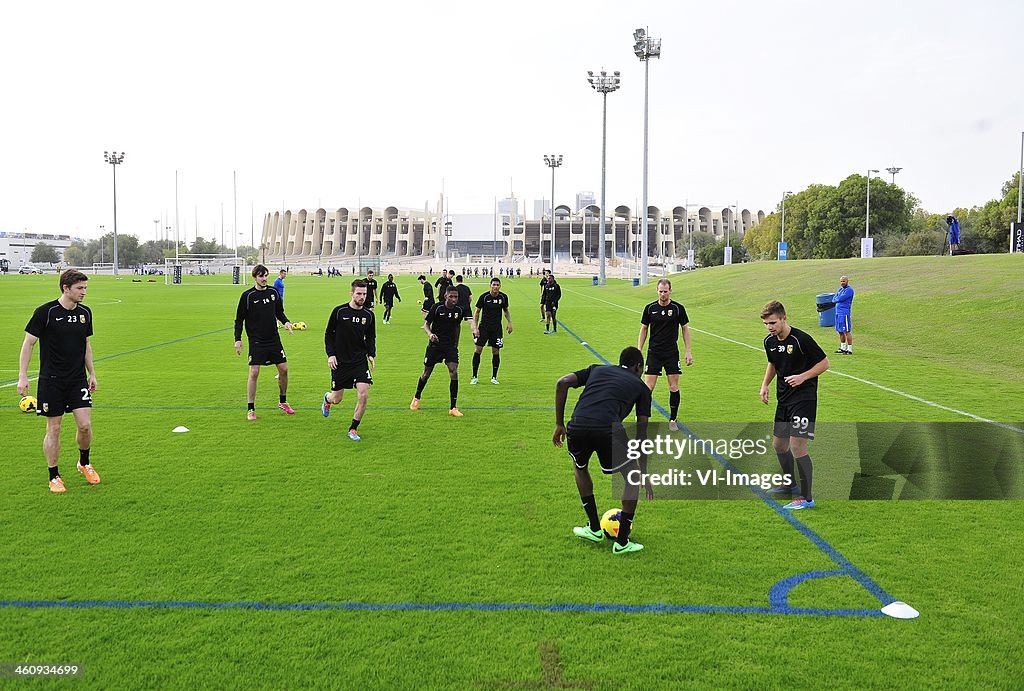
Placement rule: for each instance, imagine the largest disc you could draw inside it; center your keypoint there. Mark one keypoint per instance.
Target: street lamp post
(867, 211)
(892, 171)
(114, 159)
(553, 161)
(103, 230)
(604, 85)
(447, 238)
(645, 48)
(783, 250)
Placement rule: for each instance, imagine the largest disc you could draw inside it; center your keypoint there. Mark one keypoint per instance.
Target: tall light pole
(114, 159)
(892, 171)
(1020, 178)
(604, 85)
(156, 230)
(867, 211)
(645, 48)
(553, 161)
(103, 230)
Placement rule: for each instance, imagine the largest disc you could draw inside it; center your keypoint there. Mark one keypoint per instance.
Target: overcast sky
(339, 104)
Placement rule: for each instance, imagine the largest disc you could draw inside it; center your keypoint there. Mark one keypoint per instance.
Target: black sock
(284, 399)
(252, 406)
(804, 464)
(476, 363)
(453, 390)
(355, 424)
(673, 402)
(625, 525)
(83, 456)
(590, 506)
(495, 364)
(786, 461)
(419, 386)
(54, 472)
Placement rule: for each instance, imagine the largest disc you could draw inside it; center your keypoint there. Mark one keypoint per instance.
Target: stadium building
(397, 232)
(17, 248)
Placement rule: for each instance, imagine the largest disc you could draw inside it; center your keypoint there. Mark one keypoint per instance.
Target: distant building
(367, 232)
(17, 247)
(584, 199)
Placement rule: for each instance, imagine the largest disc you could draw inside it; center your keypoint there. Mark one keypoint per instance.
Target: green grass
(430, 509)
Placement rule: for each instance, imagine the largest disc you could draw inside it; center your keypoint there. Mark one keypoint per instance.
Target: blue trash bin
(826, 309)
(595, 279)
(636, 282)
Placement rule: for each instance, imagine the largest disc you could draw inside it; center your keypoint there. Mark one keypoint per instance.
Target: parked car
(29, 269)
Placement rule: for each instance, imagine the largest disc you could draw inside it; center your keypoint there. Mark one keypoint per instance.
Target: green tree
(44, 253)
(76, 254)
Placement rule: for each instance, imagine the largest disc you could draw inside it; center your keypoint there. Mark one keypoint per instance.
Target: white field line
(832, 371)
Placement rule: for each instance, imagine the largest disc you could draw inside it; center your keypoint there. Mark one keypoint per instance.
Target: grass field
(437, 552)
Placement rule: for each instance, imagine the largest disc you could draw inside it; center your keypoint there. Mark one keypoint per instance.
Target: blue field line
(596, 608)
(847, 567)
(137, 350)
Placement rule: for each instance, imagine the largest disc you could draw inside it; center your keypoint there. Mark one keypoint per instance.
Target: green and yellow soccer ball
(28, 404)
(610, 522)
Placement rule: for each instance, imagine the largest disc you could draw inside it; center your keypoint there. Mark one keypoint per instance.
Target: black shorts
(438, 353)
(663, 359)
(266, 355)
(56, 396)
(610, 447)
(490, 335)
(796, 419)
(552, 308)
(427, 304)
(349, 374)
(368, 304)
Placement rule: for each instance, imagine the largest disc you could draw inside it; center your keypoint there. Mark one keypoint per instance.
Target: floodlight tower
(892, 171)
(114, 159)
(645, 48)
(604, 85)
(553, 161)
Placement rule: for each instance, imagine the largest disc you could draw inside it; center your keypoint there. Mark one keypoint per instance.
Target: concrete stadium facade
(397, 232)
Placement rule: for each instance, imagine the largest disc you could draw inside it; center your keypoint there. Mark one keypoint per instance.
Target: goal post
(206, 269)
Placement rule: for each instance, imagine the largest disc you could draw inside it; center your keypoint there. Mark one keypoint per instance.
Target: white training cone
(179, 428)
(900, 610)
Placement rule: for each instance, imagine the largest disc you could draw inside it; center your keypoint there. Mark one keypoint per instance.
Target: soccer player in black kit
(371, 290)
(797, 360)
(442, 325)
(465, 295)
(388, 293)
(67, 377)
(609, 393)
(552, 294)
(259, 309)
(663, 318)
(428, 294)
(492, 304)
(351, 343)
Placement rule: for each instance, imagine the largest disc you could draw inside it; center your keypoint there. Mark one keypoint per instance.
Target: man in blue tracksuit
(843, 300)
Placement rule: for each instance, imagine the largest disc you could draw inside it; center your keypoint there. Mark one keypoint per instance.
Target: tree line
(827, 222)
(129, 251)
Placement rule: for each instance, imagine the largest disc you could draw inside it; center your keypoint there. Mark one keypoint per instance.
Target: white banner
(728, 255)
(867, 248)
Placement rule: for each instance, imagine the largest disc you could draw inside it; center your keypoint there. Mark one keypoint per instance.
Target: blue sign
(783, 251)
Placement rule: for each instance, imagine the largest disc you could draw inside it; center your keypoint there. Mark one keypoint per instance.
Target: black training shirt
(610, 392)
(351, 334)
(663, 325)
(794, 355)
(61, 335)
(465, 296)
(446, 323)
(260, 310)
(491, 308)
(371, 289)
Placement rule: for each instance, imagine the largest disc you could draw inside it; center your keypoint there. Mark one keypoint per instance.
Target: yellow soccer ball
(610, 522)
(28, 404)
